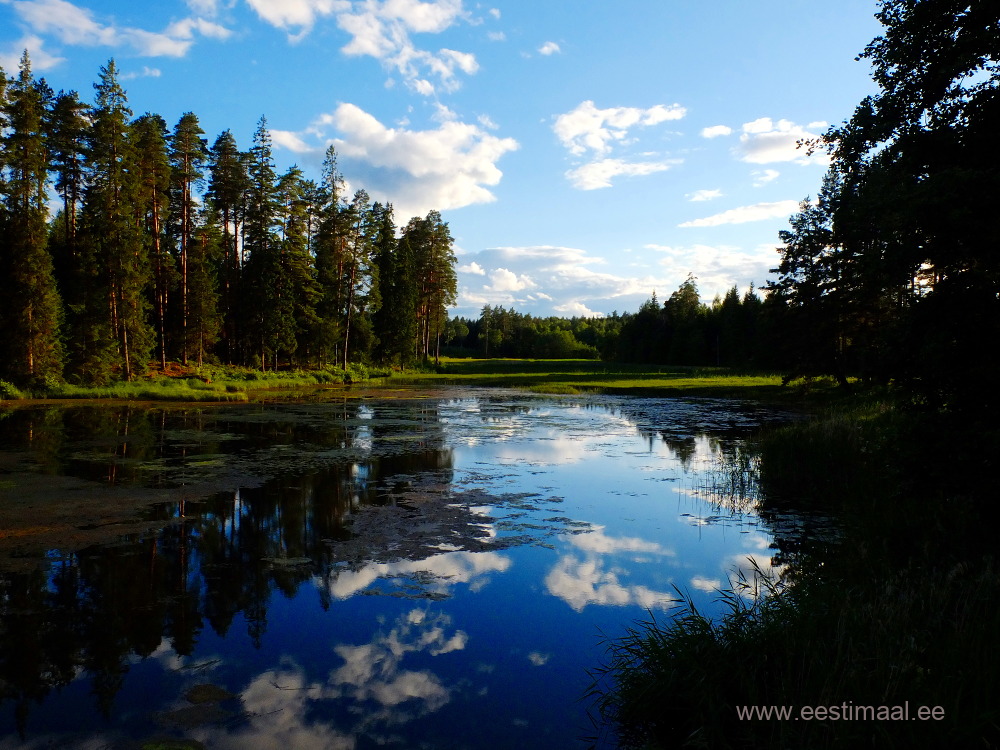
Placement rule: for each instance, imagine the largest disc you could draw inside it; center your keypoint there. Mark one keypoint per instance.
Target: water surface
(432, 572)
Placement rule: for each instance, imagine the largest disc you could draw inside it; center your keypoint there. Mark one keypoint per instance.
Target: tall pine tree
(31, 306)
(112, 332)
(188, 154)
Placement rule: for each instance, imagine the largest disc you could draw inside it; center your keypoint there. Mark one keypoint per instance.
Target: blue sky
(585, 154)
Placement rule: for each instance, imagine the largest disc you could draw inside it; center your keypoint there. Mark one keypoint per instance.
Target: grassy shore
(573, 376)
(564, 376)
(201, 383)
(902, 611)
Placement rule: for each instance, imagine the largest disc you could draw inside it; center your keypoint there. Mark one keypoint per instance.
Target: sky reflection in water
(587, 515)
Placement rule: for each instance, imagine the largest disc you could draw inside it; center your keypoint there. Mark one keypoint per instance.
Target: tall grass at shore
(206, 383)
(903, 609)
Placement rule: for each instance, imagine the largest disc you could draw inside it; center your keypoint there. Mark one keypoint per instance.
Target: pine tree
(153, 172)
(204, 317)
(31, 308)
(329, 259)
(188, 154)
(394, 322)
(430, 241)
(296, 263)
(111, 327)
(266, 294)
(227, 190)
(66, 129)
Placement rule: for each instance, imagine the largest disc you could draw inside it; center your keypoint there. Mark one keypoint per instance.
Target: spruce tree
(32, 351)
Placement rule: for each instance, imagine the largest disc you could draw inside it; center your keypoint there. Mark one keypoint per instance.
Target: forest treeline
(733, 331)
(167, 248)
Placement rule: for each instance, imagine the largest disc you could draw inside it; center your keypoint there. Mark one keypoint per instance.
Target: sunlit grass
(205, 383)
(589, 376)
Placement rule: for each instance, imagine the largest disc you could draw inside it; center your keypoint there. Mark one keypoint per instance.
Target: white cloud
(582, 582)
(764, 141)
(301, 14)
(715, 131)
(73, 25)
(382, 29)
(708, 585)
(146, 72)
(447, 167)
(764, 176)
(576, 309)
(538, 659)
(151, 44)
(744, 214)
(719, 267)
(281, 704)
(496, 36)
(704, 195)
(598, 174)
(291, 141)
(464, 61)
(589, 129)
(473, 268)
(67, 22)
(600, 543)
(440, 572)
(503, 280)
(41, 59)
(186, 27)
(549, 48)
(495, 12)
(564, 277)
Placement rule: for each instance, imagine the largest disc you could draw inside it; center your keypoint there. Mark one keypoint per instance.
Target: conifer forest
(168, 247)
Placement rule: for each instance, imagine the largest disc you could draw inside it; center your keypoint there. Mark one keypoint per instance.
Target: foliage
(892, 272)
(9, 391)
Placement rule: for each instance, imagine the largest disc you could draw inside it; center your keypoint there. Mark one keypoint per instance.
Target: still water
(432, 572)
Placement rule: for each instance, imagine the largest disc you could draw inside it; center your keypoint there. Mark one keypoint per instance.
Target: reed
(902, 609)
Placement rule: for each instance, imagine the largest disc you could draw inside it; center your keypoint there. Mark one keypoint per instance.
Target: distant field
(587, 375)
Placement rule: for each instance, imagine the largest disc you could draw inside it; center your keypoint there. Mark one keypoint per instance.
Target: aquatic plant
(902, 609)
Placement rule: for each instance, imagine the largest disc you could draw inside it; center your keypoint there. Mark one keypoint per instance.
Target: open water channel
(428, 571)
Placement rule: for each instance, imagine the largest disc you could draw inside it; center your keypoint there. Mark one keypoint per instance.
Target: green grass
(166, 389)
(572, 376)
(550, 376)
(206, 383)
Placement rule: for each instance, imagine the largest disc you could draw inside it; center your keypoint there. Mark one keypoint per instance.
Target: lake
(430, 570)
